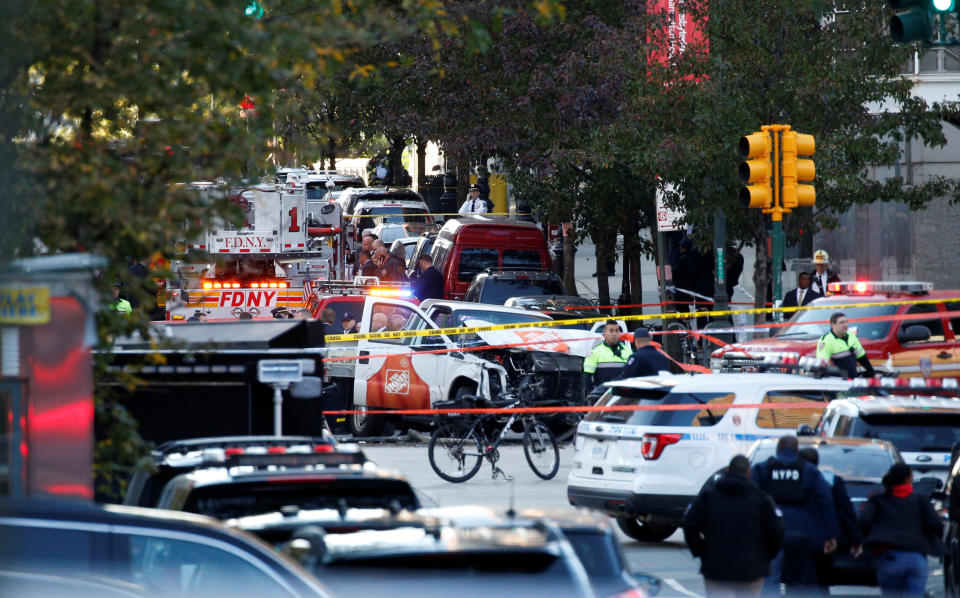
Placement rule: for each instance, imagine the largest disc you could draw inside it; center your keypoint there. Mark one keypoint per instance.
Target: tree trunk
(332, 152)
(761, 272)
(394, 160)
(569, 248)
(631, 264)
(421, 165)
(603, 254)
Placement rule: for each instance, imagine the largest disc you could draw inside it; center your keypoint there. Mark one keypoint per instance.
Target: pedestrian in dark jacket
(901, 529)
(806, 502)
(685, 274)
(849, 538)
(391, 268)
(429, 283)
(734, 528)
(646, 359)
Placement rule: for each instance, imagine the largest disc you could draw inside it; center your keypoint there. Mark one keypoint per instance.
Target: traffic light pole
(776, 213)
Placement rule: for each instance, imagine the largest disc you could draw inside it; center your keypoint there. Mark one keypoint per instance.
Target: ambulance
(262, 266)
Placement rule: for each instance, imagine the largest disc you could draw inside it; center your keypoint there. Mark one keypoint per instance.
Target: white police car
(920, 417)
(644, 467)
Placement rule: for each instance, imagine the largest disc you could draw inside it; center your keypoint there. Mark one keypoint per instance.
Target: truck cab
(890, 325)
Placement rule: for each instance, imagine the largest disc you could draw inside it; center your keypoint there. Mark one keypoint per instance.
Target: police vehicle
(920, 417)
(644, 467)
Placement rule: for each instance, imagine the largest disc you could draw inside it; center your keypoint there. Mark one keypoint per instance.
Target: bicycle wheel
(540, 448)
(455, 452)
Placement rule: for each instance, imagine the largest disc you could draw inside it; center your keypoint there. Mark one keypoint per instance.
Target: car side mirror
(310, 387)
(913, 334)
(804, 430)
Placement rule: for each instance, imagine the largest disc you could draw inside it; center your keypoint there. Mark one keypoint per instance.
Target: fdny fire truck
(263, 265)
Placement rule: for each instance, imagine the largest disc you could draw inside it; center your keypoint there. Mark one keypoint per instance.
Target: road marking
(673, 583)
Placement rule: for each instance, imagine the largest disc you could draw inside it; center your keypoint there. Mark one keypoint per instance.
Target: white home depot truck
(261, 266)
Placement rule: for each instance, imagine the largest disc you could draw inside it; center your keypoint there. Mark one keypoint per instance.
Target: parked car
(469, 245)
(423, 247)
(862, 463)
(496, 287)
(508, 558)
(166, 553)
(350, 197)
(644, 467)
(389, 232)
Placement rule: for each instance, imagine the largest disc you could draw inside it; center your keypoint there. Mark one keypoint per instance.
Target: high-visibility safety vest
(844, 352)
(123, 306)
(604, 363)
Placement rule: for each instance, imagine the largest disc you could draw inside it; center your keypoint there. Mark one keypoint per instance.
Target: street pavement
(669, 560)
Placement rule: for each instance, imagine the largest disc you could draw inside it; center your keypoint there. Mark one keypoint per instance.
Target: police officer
(646, 360)
(606, 360)
(806, 502)
(843, 348)
(120, 304)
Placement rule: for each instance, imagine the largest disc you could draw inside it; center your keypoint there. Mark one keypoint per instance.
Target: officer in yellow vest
(120, 304)
(843, 348)
(606, 360)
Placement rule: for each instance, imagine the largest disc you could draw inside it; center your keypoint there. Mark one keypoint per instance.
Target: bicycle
(458, 445)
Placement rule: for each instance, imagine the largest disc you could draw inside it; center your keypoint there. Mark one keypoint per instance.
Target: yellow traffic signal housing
(798, 170)
(756, 170)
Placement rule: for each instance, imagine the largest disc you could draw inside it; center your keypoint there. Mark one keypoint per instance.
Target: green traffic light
(253, 9)
(942, 5)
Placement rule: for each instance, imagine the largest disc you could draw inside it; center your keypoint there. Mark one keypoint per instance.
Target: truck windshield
(814, 323)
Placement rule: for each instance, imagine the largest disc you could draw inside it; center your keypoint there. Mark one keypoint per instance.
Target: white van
(644, 467)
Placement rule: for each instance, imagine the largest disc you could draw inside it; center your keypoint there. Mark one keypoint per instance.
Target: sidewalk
(585, 266)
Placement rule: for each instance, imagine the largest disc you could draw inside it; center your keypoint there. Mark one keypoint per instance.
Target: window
(912, 432)
(175, 568)
(497, 290)
(517, 259)
(792, 417)
(392, 318)
(954, 321)
(935, 326)
(54, 549)
(473, 261)
(814, 323)
(688, 417)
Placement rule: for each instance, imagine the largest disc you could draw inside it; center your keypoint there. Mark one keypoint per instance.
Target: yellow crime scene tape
(336, 338)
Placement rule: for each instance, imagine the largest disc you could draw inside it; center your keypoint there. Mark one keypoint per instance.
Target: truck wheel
(645, 532)
(362, 424)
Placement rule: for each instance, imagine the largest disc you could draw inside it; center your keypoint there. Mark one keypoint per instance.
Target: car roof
(714, 382)
(517, 274)
(913, 404)
(455, 305)
(81, 511)
(484, 220)
(215, 476)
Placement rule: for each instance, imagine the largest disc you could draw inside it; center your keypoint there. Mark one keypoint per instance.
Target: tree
(822, 67)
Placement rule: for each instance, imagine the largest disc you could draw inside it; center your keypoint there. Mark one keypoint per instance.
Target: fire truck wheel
(362, 424)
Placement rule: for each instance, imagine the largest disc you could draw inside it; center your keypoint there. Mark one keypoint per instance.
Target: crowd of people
(783, 521)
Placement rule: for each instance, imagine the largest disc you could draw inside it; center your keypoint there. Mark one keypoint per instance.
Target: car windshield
(498, 290)
(398, 215)
(814, 323)
(389, 234)
(596, 551)
(860, 463)
(662, 396)
(911, 432)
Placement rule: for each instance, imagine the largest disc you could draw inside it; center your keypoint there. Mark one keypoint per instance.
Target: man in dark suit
(802, 295)
(429, 284)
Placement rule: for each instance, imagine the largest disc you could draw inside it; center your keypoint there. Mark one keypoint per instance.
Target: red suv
(925, 346)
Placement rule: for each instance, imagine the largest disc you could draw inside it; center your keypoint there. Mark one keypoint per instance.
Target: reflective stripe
(842, 354)
(610, 364)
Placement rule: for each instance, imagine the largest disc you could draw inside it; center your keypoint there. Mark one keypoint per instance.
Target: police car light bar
(889, 382)
(863, 287)
(252, 285)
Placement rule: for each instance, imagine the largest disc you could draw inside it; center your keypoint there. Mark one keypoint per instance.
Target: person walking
(735, 530)
(806, 502)
(607, 359)
(901, 529)
(801, 295)
(473, 204)
(849, 539)
(821, 275)
(646, 360)
(841, 347)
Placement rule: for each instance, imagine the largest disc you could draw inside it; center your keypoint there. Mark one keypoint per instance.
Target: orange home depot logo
(396, 385)
(540, 339)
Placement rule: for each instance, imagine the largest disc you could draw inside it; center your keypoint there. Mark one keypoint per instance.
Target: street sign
(668, 219)
(24, 304)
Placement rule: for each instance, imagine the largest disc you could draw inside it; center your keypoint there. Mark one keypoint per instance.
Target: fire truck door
(390, 373)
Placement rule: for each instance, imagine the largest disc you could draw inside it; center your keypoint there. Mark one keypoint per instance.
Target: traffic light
(797, 170)
(911, 20)
(756, 170)
(253, 9)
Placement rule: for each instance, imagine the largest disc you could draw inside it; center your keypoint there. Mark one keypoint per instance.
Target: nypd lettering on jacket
(785, 474)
